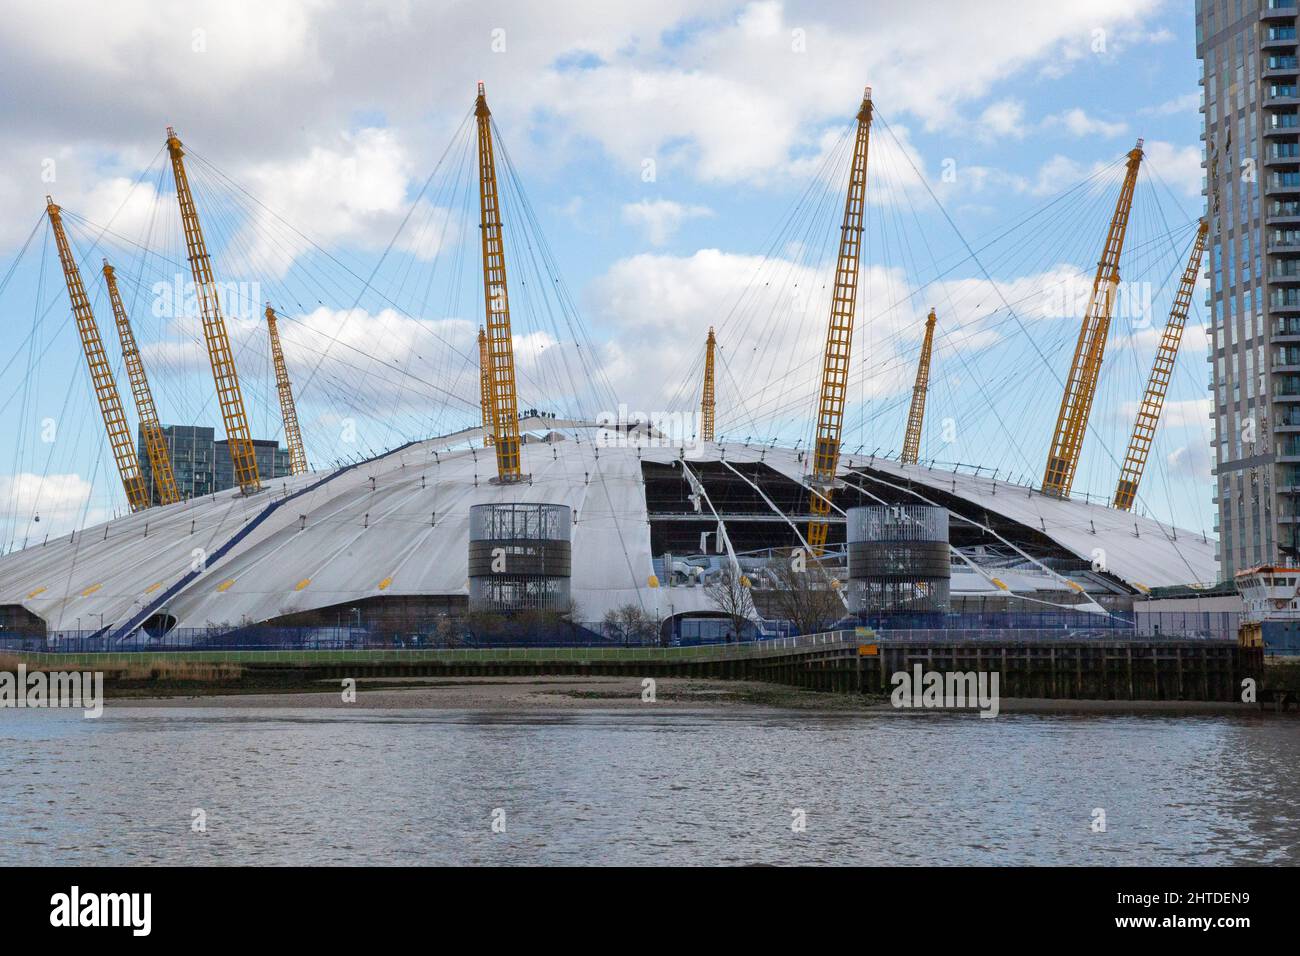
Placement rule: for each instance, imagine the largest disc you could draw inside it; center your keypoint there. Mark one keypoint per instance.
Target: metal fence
(575, 655)
(454, 634)
(1000, 620)
(590, 634)
(1208, 623)
(1022, 635)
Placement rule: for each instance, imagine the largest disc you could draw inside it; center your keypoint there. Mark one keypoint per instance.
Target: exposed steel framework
(1081, 386)
(500, 346)
(916, 414)
(707, 403)
(292, 433)
(224, 375)
(1162, 370)
(101, 374)
(485, 386)
(839, 336)
(155, 442)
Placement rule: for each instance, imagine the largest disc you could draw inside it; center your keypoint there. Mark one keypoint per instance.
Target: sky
(672, 166)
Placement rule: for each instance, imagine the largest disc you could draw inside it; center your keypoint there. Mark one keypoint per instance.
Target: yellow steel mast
(229, 396)
(485, 386)
(839, 336)
(1081, 386)
(500, 346)
(292, 433)
(1153, 400)
(707, 405)
(101, 375)
(916, 414)
(155, 443)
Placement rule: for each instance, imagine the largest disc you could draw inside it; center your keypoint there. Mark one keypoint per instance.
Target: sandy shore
(614, 693)
(516, 693)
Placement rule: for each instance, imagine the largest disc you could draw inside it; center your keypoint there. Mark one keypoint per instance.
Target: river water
(678, 787)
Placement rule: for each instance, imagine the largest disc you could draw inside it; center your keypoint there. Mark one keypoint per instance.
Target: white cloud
(103, 196)
(1146, 340)
(659, 219)
(1191, 413)
(372, 367)
(1178, 166)
(896, 170)
(658, 309)
(712, 90)
(1078, 123)
(736, 100)
(718, 90)
(1191, 460)
(1003, 118)
(1187, 103)
(355, 193)
(43, 505)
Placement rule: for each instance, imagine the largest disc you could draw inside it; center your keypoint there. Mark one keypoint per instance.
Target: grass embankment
(162, 678)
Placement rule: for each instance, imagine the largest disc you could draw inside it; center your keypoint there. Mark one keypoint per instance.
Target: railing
(458, 635)
(470, 655)
(1055, 622)
(843, 639)
(1030, 635)
(260, 638)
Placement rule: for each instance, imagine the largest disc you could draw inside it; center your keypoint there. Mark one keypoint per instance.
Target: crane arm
(155, 442)
(707, 399)
(229, 396)
(1162, 370)
(496, 301)
(101, 374)
(292, 433)
(1081, 386)
(916, 414)
(839, 337)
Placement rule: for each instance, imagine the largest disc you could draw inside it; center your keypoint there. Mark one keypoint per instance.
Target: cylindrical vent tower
(898, 559)
(519, 557)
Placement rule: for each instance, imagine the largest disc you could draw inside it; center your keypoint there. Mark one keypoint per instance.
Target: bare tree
(630, 624)
(730, 595)
(804, 592)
